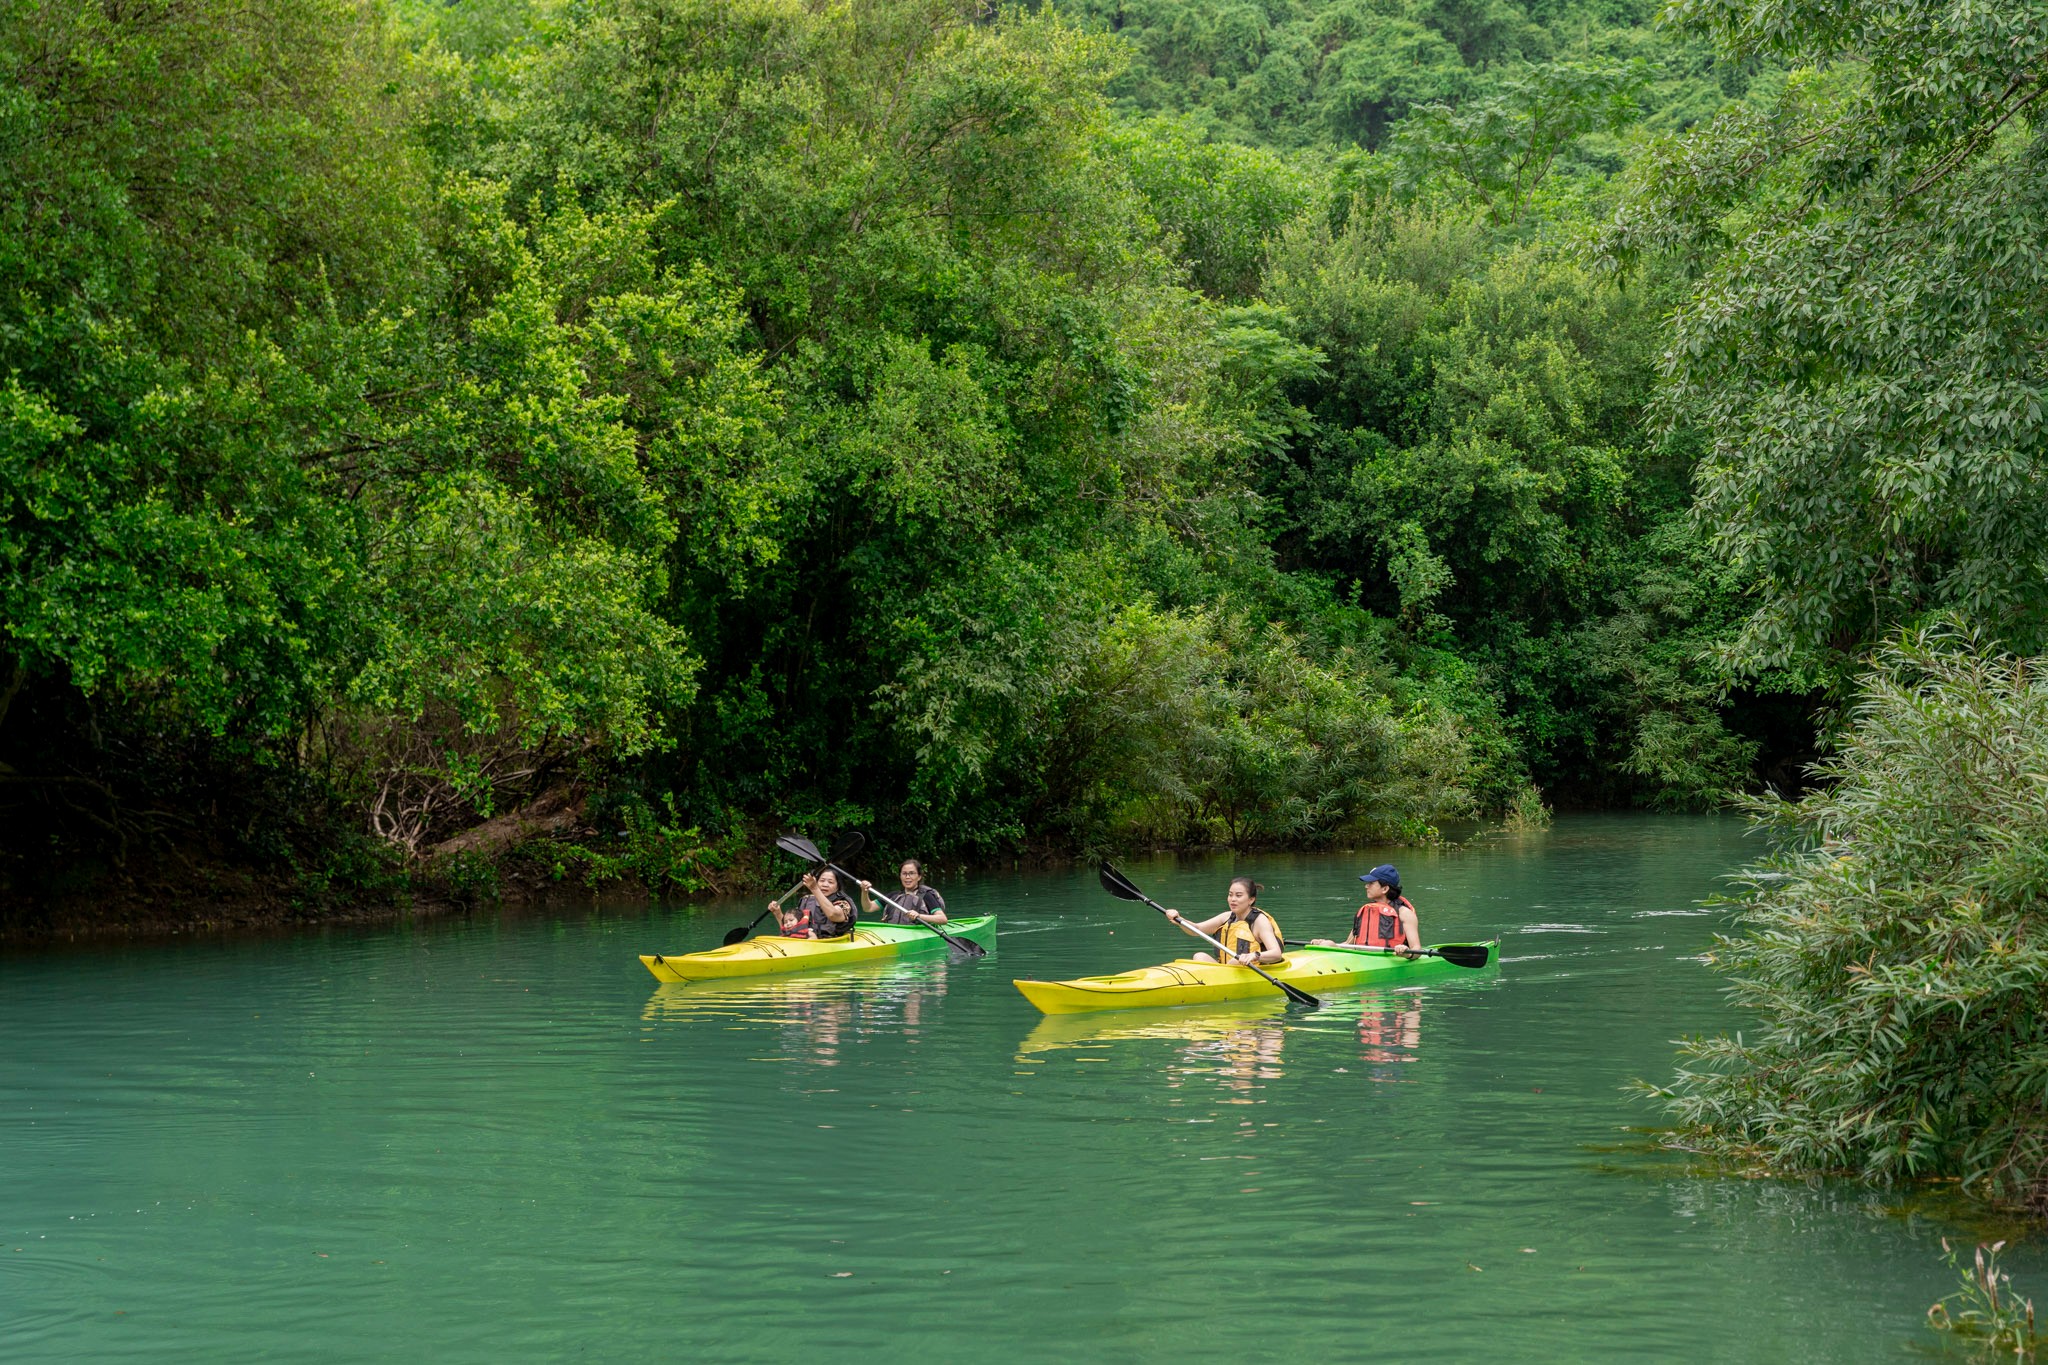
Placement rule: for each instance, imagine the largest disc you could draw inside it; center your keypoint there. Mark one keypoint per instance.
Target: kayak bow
(771, 953)
(1187, 982)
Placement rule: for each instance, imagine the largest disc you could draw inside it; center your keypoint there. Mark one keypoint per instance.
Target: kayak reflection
(1390, 1028)
(1241, 1045)
(817, 1014)
(1057, 1031)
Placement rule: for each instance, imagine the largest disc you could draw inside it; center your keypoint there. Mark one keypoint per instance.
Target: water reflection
(1055, 1032)
(1390, 1031)
(1243, 1059)
(818, 1015)
(1240, 1047)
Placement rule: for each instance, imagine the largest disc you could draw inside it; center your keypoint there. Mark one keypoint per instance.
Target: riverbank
(178, 893)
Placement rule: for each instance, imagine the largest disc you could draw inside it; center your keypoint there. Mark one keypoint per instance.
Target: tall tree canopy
(1865, 344)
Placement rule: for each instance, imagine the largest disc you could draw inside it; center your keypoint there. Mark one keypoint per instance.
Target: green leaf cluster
(1861, 341)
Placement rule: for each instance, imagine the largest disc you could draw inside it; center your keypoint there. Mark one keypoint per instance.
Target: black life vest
(924, 900)
(823, 925)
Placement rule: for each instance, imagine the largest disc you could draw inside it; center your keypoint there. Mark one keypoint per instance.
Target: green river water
(498, 1138)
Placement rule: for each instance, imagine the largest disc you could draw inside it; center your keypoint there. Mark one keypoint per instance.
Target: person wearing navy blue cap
(1387, 919)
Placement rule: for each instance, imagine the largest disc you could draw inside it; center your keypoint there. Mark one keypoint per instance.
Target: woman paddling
(1386, 920)
(823, 912)
(1247, 933)
(920, 904)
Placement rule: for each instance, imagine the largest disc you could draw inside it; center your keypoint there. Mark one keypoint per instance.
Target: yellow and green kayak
(769, 953)
(1187, 982)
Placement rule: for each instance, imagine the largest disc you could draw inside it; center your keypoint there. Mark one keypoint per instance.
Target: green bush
(1893, 969)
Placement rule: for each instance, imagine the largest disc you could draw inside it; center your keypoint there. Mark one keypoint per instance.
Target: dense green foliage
(1317, 74)
(1893, 956)
(1862, 345)
(698, 414)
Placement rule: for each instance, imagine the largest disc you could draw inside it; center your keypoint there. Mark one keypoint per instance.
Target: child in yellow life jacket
(1247, 932)
(1386, 920)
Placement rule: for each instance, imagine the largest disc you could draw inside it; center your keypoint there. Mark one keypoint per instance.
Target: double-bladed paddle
(848, 846)
(1472, 955)
(804, 848)
(1120, 886)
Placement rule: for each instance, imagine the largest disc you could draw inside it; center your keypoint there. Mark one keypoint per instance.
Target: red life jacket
(1379, 926)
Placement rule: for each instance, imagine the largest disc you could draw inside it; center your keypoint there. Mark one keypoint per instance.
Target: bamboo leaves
(1892, 959)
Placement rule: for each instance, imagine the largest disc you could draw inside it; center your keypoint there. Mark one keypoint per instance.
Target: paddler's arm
(1410, 930)
(1182, 921)
(1270, 950)
(937, 913)
(867, 906)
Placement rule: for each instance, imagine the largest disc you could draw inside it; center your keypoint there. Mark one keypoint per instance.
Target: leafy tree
(312, 483)
(1476, 464)
(1223, 203)
(1860, 344)
(1501, 143)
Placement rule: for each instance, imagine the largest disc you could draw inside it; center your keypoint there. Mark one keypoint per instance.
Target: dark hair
(912, 862)
(1249, 885)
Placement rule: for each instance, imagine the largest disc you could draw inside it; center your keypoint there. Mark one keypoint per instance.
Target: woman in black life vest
(1386, 920)
(1246, 932)
(824, 911)
(920, 902)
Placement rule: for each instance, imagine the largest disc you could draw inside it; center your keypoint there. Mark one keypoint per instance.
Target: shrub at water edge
(1892, 961)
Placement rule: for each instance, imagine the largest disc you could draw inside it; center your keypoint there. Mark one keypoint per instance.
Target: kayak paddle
(1120, 886)
(1472, 955)
(804, 848)
(847, 847)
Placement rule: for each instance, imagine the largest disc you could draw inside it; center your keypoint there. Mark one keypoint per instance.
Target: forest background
(574, 436)
(1036, 429)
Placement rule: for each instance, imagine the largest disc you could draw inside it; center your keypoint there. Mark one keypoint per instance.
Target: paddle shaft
(765, 913)
(1389, 952)
(1364, 948)
(1223, 953)
(964, 945)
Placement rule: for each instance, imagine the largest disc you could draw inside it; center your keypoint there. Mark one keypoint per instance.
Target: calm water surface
(499, 1138)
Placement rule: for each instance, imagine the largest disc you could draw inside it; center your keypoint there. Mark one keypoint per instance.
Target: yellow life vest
(1238, 936)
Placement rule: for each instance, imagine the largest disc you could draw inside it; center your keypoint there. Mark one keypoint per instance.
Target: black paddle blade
(799, 847)
(1295, 995)
(966, 947)
(1116, 884)
(736, 933)
(848, 845)
(1465, 954)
